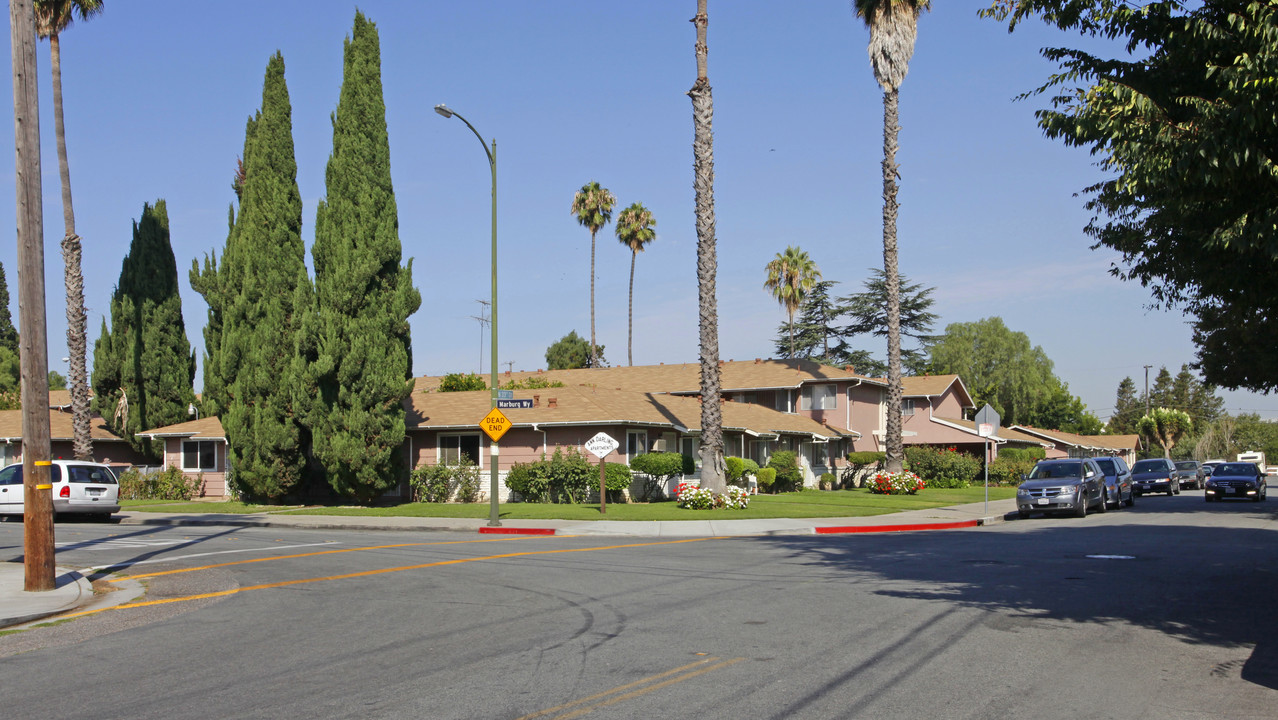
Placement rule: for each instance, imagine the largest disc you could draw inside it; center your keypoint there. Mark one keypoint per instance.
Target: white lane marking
(113, 566)
(115, 544)
(1112, 557)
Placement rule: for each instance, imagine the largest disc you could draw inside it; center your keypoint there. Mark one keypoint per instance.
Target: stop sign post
(600, 446)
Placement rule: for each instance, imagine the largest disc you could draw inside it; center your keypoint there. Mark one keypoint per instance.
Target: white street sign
(601, 444)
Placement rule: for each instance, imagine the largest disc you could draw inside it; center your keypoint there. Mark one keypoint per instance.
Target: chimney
(552, 402)
(850, 369)
(536, 401)
(758, 361)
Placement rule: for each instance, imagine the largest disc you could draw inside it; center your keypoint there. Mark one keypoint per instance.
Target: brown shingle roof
(59, 427)
(1089, 442)
(681, 378)
(205, 427)
(580, 405)
(1004, 433)
(933, 385)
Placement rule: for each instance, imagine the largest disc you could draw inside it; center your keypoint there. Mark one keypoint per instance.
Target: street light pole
(494, 518)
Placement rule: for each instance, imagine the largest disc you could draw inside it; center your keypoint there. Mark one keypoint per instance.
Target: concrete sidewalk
(73, 590)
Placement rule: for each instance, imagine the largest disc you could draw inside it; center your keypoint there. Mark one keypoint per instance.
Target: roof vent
(536, 401)
(552, 402)
(758, 361)
(850, 369)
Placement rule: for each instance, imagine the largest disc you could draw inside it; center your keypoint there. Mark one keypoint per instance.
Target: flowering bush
(902, 483)
(695, 497)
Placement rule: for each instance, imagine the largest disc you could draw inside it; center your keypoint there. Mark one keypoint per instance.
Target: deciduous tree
(1165, 426)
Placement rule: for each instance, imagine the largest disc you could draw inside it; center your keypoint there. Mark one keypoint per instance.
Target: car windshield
(1107, 467)
(1187, 465)
(1235, 469)
(1047, 471)
(1149, 466)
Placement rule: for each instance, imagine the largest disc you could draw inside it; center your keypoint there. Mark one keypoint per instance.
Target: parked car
(1241, 480)
(1118, 481)
(1155, 475)
(1068, 485)
(1209, 465)
(78, 487)
(1189, 473)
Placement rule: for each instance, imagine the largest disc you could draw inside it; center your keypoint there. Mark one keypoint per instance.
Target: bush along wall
(942, 467)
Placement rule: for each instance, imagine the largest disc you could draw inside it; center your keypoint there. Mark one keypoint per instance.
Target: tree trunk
(77, 346)
(594, 358)
(630, 327)
(895, 448)
(713, 476)
(791, 334)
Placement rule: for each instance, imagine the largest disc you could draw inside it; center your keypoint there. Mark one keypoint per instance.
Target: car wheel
(1081, 510)
(1175, 488)
(1103, 505)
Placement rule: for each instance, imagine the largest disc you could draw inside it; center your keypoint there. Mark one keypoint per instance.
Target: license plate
(1042, 501)
(1144, 486)
(1229, 491)
(94, 492)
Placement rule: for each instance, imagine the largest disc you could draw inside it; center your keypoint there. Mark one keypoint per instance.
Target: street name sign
(505, 394)
(601, 444)
(514, 404)
(495, 424)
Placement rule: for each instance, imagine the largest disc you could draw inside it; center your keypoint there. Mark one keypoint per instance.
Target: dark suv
(1155, 475)
(1191, 474)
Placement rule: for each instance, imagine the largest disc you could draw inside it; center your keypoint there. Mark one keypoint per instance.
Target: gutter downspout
(543, 437)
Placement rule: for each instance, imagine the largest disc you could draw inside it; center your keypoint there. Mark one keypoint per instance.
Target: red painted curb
(894, 528)
(516, 531)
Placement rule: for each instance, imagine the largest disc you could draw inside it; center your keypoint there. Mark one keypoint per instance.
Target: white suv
(78, 487)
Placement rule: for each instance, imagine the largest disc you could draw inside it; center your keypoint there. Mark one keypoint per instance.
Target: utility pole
(1147, 367)
(37, 492)
(482, 317)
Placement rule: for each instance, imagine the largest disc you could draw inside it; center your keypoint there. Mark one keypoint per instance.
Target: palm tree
(713, 476)
(52, 17)
(593, 207)
(791, 276)
(893, 26)
(635, 229)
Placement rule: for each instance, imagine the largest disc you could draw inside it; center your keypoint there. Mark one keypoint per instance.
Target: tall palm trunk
(594, 356)
(630, 326)
(895, 449)
(791, 334)
(82, 445)
(712, 466)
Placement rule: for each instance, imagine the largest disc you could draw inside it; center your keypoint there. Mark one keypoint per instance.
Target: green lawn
(809, 504)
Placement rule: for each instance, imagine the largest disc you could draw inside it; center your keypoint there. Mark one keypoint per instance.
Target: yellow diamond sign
(495, 424)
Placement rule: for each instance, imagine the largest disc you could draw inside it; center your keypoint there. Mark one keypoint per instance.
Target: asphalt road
(1161, 611)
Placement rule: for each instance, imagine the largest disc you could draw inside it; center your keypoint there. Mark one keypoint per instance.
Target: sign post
(495, 424)
(987, 424)
(600, 446)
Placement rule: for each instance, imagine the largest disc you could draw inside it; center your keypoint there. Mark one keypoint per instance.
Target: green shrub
(739, 469)
(466, 480)
(789, 475)
(567, 476)
(617, 477)
(941, 468)
(169, 484)
(658, 467)
(461, 382)
(766, 477)
(689, 465)
(828, 480)
(439, 483)
(1008, 471)
(852, 475)
(1031, 454)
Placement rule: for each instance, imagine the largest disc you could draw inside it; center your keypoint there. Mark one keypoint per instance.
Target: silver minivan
(78, 487)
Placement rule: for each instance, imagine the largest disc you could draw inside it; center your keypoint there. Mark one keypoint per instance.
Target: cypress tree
(8, 335)
(360, 357)
(253, 323)
(144, 355)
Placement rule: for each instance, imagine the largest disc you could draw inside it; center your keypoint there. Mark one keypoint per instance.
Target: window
(636, 443)
(199, 455)
(907, 406)
(690, 448)
(819, 397)
(84, 475)
(452, 448)
(734, 445)
(11, 475)
(818, 454)
(781, 401)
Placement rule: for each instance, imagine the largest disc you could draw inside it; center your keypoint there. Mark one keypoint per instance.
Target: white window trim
(644, 435)
(197, 442)
(907, 406)
(439, 447)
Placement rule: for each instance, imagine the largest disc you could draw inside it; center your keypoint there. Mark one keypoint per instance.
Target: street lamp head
(442, 109)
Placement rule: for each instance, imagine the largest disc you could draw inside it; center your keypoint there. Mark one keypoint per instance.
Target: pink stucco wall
(213, 482)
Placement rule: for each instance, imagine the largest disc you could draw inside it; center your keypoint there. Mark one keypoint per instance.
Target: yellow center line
(311, 554)
(369, 573)
(634, 693)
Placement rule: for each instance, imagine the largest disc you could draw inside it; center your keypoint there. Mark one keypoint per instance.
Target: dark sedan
(1242, 481)
(1155, 475)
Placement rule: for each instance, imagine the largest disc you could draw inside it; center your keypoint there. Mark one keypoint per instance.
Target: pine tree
(1160, 394)
(360, 359)
(253, 339)
(1127, 409)
(816, 335)
(8, 335)
(145, 356)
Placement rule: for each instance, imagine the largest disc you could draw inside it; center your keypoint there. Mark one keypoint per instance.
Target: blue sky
(157, 94)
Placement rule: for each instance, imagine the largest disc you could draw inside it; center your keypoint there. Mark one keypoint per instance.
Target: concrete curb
(40, 605)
